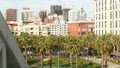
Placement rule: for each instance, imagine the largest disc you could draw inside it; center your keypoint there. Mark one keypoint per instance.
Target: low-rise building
(59, 28)
(80, 27)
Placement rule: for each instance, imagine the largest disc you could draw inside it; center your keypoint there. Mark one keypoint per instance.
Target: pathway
(110, 64)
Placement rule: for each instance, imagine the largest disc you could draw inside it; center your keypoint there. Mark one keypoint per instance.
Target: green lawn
(33, 61)
(64, 62)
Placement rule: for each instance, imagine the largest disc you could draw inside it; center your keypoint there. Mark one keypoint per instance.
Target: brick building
(80, 27)
(11, 14)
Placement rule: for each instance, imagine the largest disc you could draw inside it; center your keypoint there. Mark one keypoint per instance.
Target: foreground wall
(10, 53)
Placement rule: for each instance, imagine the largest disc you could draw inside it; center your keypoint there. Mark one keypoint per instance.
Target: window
(116, 14)
(116, 24)
(105, 24)
(31, 28)
(105, 15)
(99, 24)
(102, 32)
(110, 24)
(102, 24)
(84, 29)
(116, 31)
(105, 2)
(102, 16)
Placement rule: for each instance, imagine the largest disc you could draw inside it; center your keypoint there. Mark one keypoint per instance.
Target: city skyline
(36, 5)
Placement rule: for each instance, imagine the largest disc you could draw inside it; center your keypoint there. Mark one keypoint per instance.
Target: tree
(24, 40)
(51, 43)
(40, 47)
(72, 46)
(77, 48)
(104, 47)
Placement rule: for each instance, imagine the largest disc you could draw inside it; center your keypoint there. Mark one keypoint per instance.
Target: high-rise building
(82, 14)
(27, 15)
(107, 17)
(42, 15)
(11, 14)
(56, 9)
(65, 13)
(77, 15)
(73, 15)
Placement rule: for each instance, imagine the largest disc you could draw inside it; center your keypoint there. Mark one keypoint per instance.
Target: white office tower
(27, 15)
(59, 28)
(82, 14)
(73, 15)
(107, 17)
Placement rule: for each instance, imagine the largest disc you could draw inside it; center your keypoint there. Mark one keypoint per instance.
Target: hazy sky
(37, 5)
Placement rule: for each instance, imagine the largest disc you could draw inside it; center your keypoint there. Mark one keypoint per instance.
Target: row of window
(102, 24)
(101, 3)
(113, 24)
(101, 16)
(101, 32)
(101, 9)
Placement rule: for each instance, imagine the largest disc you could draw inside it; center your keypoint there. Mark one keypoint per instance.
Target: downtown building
(58, 28)
(42, 15)
(73, 15)
(78, 28)
(56, 9)
(27, 15)
(107, 17)
(65, 13)
(11, 14)
(77, 15)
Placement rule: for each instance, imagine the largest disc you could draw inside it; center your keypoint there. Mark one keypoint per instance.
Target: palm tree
(40, 47)
(23, 41)
(115, 40)
(72, 46)
(60, 40)
(104, 47)
(78, 47)
(51, 44)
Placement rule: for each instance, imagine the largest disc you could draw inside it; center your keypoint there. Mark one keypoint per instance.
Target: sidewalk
(36, 64)
(110, 65)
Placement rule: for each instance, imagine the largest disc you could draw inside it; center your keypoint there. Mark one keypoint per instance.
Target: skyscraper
(107, 17)
(27, 15)
(77, 15)
(82, 14)
(65, 13)
(11, 14)
(42, 15)
(73, 15)
(56, 9)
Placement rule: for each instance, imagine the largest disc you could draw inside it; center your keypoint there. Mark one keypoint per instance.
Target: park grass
(33, 61)
(64, 62)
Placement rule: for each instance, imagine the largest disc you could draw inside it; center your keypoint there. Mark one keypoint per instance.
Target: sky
(37, 5)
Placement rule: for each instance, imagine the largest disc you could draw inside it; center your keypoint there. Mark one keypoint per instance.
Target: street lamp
(58, 59)
(87, 54)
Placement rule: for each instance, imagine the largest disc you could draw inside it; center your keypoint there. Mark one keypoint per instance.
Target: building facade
(56, 9)
(42, 15)
(11, 14)
(73, 15)
(58, 28)
(65, 13)
(107, 17)
(82, 14)
(78, 28)
(77, 15)
(27, 15)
